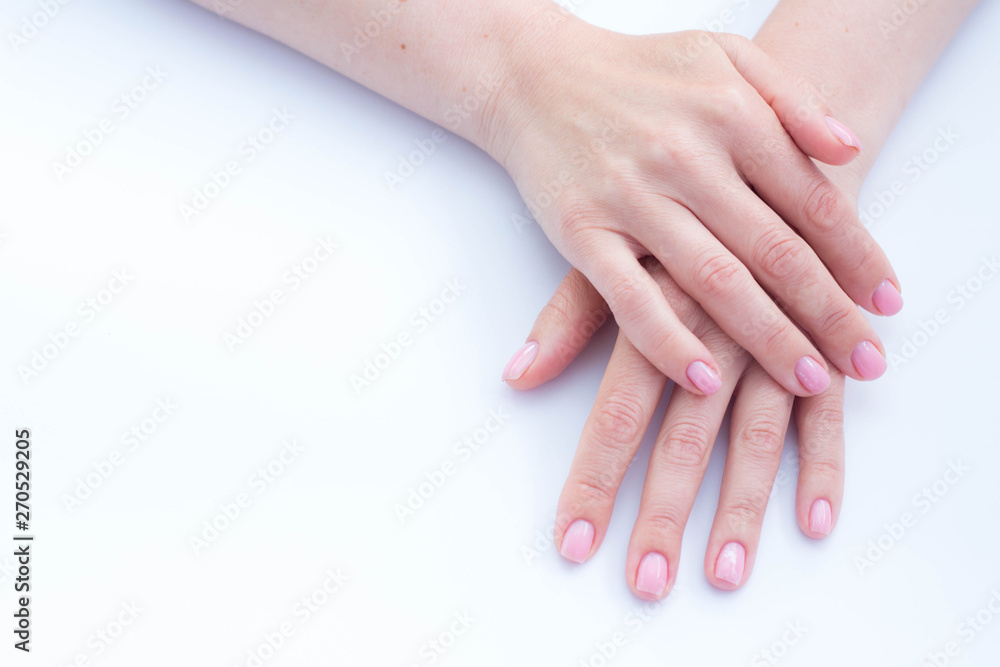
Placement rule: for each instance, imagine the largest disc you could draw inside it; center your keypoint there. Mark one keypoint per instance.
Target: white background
(332, 507)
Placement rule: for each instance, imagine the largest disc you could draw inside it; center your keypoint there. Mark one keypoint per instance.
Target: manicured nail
(652, 575)
(887, 298)
(519, 363)
(729, 566)
(703, 377)
(843, 135)
(868, 361)
(820, 517)
(577, 540)
(812, 375)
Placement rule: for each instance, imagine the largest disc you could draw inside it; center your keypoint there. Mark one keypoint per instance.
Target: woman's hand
(625, 403)
(677, 146)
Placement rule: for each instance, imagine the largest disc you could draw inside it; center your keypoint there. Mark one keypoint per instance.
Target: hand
(625, 403)
(677, 146)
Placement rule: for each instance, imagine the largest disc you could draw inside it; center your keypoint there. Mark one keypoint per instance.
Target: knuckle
(764, 435)
(744, 510)
(627, 295)
(592, 488)
(664, 521)
(825, 466)
(689, 442)
(832, 324)
(718, 274)
(824, 207)
(619, 420)
(780, 256)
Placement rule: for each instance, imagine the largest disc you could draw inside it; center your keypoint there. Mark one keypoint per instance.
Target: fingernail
(843, 135)
(729, 566)
(887, 298)
(519, 363)
(868, 361)
(577, 540)
(652, 575)
(820, 517)
(812, 375)
(703, 377)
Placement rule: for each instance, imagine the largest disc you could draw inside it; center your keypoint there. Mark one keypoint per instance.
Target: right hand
(626, 147)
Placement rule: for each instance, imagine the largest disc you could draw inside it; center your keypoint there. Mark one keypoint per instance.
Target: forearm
(864, 61)
(448, 60)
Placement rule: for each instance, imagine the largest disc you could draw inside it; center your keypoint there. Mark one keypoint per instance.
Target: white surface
(333, 506)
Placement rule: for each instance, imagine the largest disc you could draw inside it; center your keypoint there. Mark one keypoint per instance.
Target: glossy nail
(812, 375)
(652, 575)
(519, 363)
(703, 377)
(729, 566)
(868, 361)
(820, 517)
(887, 298)
(577, 540)
(842, 133)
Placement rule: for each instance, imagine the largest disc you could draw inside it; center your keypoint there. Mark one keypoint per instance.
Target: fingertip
(730, 567)
(577, 541)
(820, 520)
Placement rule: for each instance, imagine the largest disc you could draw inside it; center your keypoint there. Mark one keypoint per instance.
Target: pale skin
(821, 42)
(702, 159)
(704, 167)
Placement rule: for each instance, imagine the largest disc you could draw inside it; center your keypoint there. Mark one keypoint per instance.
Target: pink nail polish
(812, 375)
(820, 517)
(577, 540)
(868, 361)
(703, 377)
(729, 566)
(887, 298)
(519, 363)
(652, 575)
(842, 133)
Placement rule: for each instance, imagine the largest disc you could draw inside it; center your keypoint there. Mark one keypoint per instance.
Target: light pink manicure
(652, 575)
(812, 375)
(703, 377)
(868, 361)
(887, 298)
(577, 540)
(519, 363)
(820, 517)
(729, 566)
(842, 133)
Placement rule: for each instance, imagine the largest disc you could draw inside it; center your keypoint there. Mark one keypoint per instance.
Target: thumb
(564, 327)
(800, 108)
